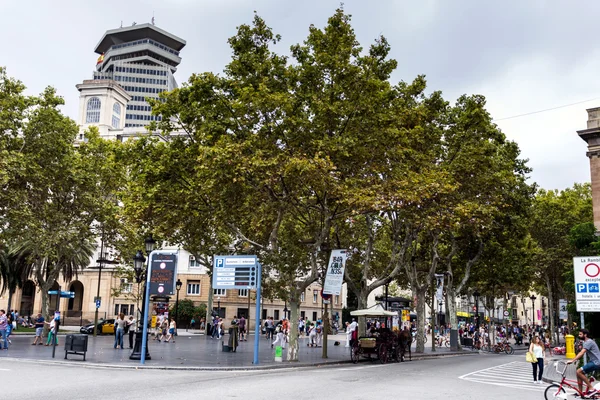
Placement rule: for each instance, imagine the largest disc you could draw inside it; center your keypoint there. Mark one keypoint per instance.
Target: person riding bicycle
(591, 349)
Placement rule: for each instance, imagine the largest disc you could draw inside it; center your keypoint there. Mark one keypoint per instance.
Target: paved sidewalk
(191, 351)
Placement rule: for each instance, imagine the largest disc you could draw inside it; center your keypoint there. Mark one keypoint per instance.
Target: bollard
(570, 346)
(278, 354)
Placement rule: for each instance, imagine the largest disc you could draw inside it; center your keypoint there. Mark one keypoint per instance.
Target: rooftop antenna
(152, 17)
(121, 23)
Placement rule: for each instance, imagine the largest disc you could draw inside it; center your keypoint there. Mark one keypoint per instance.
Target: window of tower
(116, 118)
(93, 111)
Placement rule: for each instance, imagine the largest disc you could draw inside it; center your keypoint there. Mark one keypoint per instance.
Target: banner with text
(562, 309)
(163, 271)
(335, 272)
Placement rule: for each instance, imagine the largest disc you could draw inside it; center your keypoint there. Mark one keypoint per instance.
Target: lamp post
(178, 287)
(285, 310)
(140, 276)
(476, 295)
(532, 297)
(101, 261)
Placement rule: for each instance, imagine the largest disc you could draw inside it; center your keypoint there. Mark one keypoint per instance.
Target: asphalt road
(486, 376)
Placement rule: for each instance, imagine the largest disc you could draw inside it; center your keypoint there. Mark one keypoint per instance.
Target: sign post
(240, 272)
(160, 280)
(587, 286)
(332, 285)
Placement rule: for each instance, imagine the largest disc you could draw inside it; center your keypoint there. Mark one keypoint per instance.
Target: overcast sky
(524, 56)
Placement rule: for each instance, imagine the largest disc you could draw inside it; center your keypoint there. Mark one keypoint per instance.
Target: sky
(524, 56)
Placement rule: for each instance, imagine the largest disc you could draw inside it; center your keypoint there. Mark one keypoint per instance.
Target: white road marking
(516, 374)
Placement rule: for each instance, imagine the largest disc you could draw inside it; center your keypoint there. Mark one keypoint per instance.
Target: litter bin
(233, 338)
(76, 344)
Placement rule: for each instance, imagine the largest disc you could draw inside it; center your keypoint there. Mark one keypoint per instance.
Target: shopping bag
(529, 357)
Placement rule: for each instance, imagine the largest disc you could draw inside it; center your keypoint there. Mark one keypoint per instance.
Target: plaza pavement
(191, 351)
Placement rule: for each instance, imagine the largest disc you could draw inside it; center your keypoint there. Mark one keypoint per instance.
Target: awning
(376, 311)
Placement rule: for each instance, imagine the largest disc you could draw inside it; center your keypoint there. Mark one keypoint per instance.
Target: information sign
(235, 272)
(587, 283)
(163, 268)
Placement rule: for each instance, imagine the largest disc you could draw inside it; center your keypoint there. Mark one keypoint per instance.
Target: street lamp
(476, 295)
(532, 297)
(101, 261)
(285, 310)
(140, 276)
(178, 285)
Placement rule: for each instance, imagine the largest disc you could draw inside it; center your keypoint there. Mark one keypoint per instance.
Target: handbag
(529, 357)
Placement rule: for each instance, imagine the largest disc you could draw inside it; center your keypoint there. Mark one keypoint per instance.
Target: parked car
(104, 327)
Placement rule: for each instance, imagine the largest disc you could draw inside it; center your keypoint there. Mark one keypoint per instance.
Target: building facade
(143, 60)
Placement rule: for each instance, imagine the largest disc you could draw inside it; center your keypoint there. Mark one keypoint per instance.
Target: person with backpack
(312, 335)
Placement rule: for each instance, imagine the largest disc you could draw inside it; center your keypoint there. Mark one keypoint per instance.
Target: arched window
(93, 111)
(116, 117)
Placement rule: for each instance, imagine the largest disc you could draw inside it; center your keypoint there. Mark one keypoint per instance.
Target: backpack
(318, 329)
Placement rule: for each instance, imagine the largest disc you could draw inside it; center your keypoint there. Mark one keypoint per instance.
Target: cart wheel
(354, 354)
(554, 391)
(383, 354)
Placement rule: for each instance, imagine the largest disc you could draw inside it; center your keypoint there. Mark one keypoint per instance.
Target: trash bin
(76, 344)
(233, 338)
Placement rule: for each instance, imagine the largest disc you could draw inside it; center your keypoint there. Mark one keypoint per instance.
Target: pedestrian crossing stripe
(516, 374)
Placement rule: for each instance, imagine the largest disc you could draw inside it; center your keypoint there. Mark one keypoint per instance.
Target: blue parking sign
(581, 288)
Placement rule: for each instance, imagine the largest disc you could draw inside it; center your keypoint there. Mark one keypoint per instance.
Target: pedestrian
(9, 327)
(193, 323)
(591, 349)
(270, 327)
(131, 328)
(312, 335)
(350, 328)
(39, 328)
(202, 323)
(301, 327)
(279, 337)
(242, 329)
(3, 327)
(538, 350)
(171, 332)
(216, 333)
(119, 331)
(52, 334)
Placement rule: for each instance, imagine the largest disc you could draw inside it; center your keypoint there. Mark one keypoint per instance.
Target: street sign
(98, 303)
(506, 313)
(235, 272)
(68, 295)
(587, 283)
(335, 272)
(163, 268)
(563, 313)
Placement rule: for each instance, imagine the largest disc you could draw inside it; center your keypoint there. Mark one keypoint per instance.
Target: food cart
(381, 344)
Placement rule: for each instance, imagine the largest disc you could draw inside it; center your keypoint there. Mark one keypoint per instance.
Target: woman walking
(172, 327)
(119, 330)
(538, 350)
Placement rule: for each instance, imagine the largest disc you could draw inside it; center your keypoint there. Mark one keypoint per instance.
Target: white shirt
(352, 326)
(538, 352)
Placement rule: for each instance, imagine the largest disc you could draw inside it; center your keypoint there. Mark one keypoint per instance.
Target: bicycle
(503, 347)
(557, 390)
(442, 341)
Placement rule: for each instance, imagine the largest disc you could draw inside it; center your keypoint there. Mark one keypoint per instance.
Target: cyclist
(591, 348)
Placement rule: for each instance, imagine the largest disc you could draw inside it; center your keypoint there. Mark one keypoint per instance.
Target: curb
(287, 365)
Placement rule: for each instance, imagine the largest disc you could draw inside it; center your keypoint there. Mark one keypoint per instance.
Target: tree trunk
(451, 313)
(553, 333)
(325, 330)
(10, 296)
(292, 353)
(362, 304)
(420, 309)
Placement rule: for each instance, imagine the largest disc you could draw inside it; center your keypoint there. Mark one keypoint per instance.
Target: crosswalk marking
(516, 374)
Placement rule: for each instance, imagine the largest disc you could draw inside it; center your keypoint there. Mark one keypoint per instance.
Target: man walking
(3, 333)
(39, 328)
(242, 328)
(131, 328)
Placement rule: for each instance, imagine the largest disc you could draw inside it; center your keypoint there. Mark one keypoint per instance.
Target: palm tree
(11, 272)
(66, 260)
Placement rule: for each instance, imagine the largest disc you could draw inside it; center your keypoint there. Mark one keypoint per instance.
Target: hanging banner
(562, 309)
(539, 314)
(335, 273)
(439, 293)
